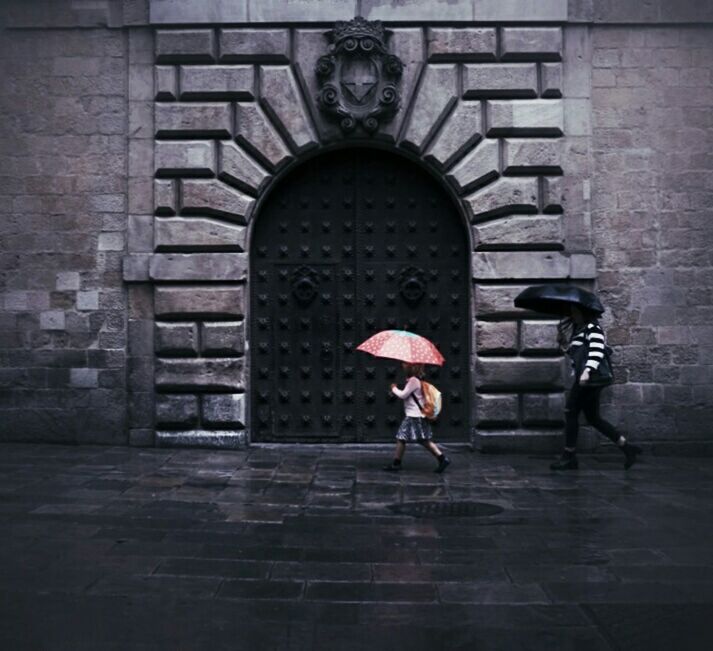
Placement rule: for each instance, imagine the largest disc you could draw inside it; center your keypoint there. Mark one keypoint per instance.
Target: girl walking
(580, 330)
(415, 427)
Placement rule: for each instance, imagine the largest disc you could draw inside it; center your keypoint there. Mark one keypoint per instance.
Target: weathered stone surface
(266, 11)
(140, 233)
(551, 79)
(184, 158)
(165, 197)
(255, 131)
(504, 196)
(479, 167)
(198, 266)
(518, 440)
(531, 156)
(436, 95)
(178, 45)
(215, 198)
(217, 82)
(497, 410)
(166, 83)
(251, 45)
(502, 265)
(207, 373)
(206, 120)
(238, 168)
(176, 410)
(553, 194)
(506, 80)
(209, 300)
(226, 338)
(462, 44)
(533, 231)
(282, 100)
(417, 10)
(221, 440)
(538, 337)
(135, 267)
(462, 130)
(543, 409)
(224, 409)
(543, 43)
(537, 117)
(198, 234)
(497, 301)
(141, 437)
(176, 339)
(496, 337)
(67, 280)
(518, 373)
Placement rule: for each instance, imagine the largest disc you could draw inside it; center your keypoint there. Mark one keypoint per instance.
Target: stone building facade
(205, 205)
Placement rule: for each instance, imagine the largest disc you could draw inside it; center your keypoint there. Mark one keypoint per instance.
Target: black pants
(585, 399)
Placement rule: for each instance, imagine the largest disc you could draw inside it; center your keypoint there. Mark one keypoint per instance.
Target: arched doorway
(349, 243)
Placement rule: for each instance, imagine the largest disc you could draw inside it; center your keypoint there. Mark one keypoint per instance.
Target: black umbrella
(556, 299)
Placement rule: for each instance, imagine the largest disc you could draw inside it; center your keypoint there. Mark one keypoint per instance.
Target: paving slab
(302, 547)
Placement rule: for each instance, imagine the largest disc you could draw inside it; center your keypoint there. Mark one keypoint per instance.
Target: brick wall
(652, 108)
(62, 222)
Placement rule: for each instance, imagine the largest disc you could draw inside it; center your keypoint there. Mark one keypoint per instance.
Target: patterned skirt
(414, 429)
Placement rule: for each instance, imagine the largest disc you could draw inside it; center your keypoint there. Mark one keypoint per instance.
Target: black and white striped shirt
(593, 335)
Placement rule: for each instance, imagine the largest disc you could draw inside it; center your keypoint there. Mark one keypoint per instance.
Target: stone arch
(482, 110)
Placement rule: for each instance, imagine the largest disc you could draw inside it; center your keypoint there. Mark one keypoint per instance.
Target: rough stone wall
(652, 221)
(62, 228)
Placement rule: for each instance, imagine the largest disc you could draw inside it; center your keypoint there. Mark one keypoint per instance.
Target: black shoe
(565, 462)
(392, 467)
(630, 452)
(443, 463)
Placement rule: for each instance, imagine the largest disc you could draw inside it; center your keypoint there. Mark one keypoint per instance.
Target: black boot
(394, 466)
(568, 461)
(630, 451)
(443, 463)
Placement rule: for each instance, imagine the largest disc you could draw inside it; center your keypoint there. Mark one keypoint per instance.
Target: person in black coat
(582, 338)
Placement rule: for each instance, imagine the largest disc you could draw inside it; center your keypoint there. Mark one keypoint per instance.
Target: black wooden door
(351, 243)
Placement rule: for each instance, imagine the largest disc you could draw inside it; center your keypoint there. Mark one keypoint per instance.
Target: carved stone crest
(359, 78)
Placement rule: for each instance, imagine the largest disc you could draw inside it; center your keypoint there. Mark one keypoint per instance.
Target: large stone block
(165, 195)
(199, 266)
(537, 117)
(282, 100)
(497, 410)
(197, 234)
(179, 45)
(531, 43)
(210, 301)
(166, 83)
(220, 440)
(533, 231)
(255, 131)
(496, 337)
(479, 167)
(543, 409)
(551, 80)
(462, 44)
(521, 374)
(532, 156)
(506, 80)
(201, 374)
(176, 410)
(504, 196)
(176, 339)
(206, 120)
(215, 198)
(217, 82)
(238, 168)
(225, 338)
(462, 130)
(426, 10)
(436, 95)
(538, 337)
(224, 409)
(184, 158)
(252, 45)
(512, 265)
(497, 301)
(275, 11)
(140, 233)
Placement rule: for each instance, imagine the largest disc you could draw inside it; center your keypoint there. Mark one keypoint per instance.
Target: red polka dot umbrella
(404, 346)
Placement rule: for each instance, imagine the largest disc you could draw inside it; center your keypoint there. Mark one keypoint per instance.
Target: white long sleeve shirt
(412, 388)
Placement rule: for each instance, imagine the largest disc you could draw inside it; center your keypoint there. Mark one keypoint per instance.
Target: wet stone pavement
(296, 548)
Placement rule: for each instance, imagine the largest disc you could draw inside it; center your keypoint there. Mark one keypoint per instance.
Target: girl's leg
(400, 449)
(432, 448)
